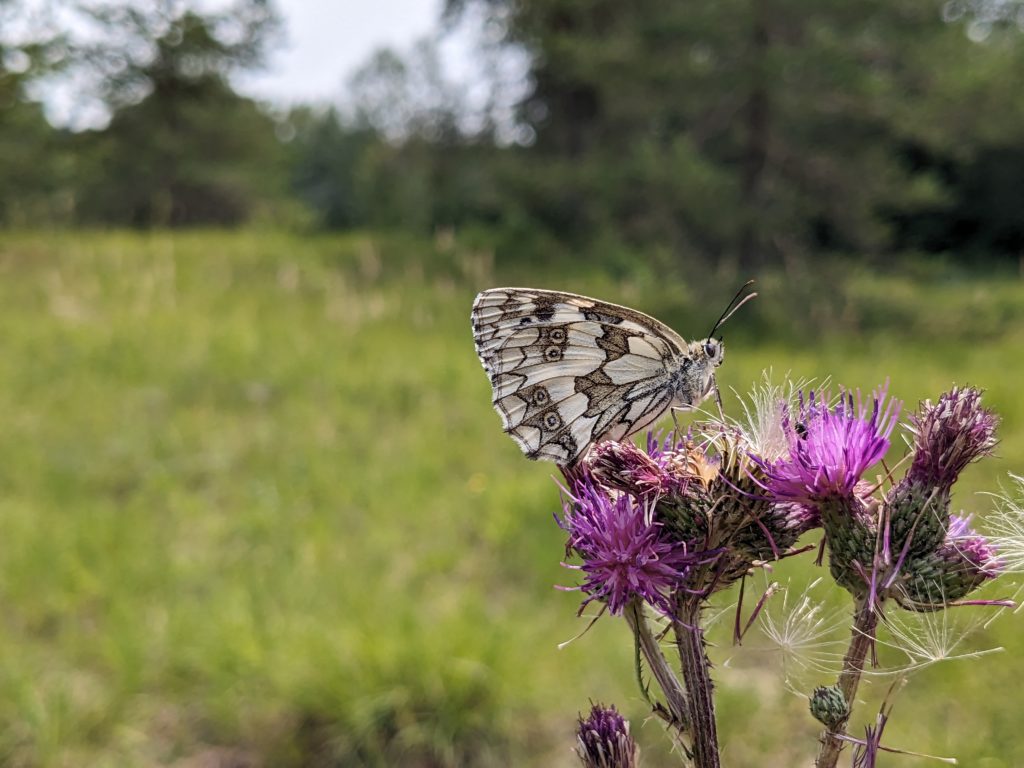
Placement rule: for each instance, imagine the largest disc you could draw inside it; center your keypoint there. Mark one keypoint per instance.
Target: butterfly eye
(710, 349)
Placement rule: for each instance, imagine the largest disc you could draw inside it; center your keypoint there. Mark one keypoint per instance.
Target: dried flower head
(603, 739)
(625, 467)
(763, 423)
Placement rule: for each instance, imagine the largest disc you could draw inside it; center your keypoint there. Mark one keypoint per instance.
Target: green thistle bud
(828, 706)
(851, 531)
(964, 562)
(918, 512)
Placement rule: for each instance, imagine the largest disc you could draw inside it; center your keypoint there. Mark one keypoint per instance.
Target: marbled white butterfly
(569, 371)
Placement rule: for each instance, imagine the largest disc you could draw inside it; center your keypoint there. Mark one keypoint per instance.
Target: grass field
(256, 509)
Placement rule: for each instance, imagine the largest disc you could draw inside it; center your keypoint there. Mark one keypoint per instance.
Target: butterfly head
(713, 351)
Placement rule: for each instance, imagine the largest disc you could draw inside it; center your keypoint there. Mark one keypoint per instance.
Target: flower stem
(670, 685)
(862, 637)
(697, 678)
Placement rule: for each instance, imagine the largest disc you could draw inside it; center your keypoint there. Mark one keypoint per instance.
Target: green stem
(699, 689)
(862, 637)
(675, 696)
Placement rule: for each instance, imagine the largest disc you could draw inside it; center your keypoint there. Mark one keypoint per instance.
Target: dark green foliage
(182, 147)
(743, 130)
(324, 161)
(734, 133)
(31, 167)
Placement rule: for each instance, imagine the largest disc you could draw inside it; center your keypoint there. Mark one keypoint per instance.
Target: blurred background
(256, 509)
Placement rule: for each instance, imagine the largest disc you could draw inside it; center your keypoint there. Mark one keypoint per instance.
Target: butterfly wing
(568, 371)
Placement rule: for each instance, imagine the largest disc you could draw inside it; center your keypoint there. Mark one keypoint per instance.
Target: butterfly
(568, 371)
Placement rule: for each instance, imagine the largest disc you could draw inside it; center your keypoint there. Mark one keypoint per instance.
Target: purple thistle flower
(625, 553)
(603, 739)
(973, 547)
(948, 435)
(830, 448)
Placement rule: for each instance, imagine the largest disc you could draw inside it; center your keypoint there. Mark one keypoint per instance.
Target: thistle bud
(829, 706)
(918, 513)
(963, 562)
(603, 740)
(948, 435)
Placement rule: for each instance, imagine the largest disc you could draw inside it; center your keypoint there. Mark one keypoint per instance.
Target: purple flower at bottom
(625, 553)
(831, 448)
(603, 739)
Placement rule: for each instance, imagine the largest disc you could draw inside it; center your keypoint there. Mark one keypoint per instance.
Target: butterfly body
(568, 371)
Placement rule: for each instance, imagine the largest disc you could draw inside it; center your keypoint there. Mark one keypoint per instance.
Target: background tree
(182, 146)
(744, 130)
(32, 166)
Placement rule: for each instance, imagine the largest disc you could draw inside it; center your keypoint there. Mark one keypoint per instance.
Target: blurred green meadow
(256, 509)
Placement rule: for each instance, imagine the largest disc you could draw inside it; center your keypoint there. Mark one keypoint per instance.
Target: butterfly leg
(676, 409)
(718, 397)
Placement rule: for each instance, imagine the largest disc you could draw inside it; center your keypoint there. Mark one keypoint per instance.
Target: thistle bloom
(830, 448)
(949, 435)
(625, 552)
(603, 740)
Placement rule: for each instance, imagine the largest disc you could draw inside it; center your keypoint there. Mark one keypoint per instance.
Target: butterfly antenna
(735, 304)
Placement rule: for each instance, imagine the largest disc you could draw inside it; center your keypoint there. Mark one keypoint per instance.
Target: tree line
(744, 131)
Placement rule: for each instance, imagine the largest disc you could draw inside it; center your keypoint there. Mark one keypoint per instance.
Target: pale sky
(326, 40)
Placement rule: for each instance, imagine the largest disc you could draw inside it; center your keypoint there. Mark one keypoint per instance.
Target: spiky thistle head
(948, 435)
(625, 467)
(625, 551)
(831, 446)
(603, 739)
